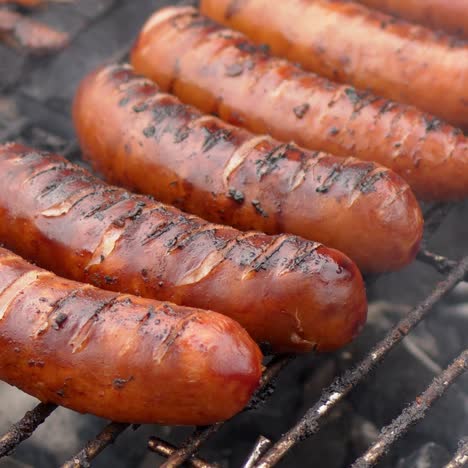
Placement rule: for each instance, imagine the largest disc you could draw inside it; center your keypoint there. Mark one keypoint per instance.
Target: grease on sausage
(118, 356)
(220, 71)
(295, 294)
(350, 43)
(142, 138)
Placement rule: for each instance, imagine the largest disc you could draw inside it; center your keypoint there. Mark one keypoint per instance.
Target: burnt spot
(432, 124)
(367, 185)
(59, 319)
(119, 384)
(359, 99)
(301, 110)
(387, 107)
(249, 48)
(168, 310)
(236, 195)
(259, 209)
(234, 69)
(148, 132)
(133, 214)
(124, 101)
(110, 279)
(269, 164)
(333, 131)
(214, 137)
(181, 134)
(140, 107)
(159, 231)
(330, 179)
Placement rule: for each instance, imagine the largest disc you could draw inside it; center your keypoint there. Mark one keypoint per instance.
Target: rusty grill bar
(460, 459)
(265, 454)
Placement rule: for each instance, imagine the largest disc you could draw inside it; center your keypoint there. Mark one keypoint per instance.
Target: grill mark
(55, 308)
(160, 230)
(269, 163)
(299, 176)
(259, 262)
(69, 180)
(108, 203)
(14, 289)
(165, 346)
(66, 205)
(79, 340)
(299, 259)
(188, 236)
(331, 179)
(240, 155)
(54, 167)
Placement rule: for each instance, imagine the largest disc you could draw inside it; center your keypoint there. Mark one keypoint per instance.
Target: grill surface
(34, 107)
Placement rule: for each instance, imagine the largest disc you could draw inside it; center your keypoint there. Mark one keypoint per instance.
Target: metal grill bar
(94, 447)
(165, 449)
(310, 423)
(24, 429)
(442, 264)
(201, 435)
(460, 460)
(260, 448)
(412, 414)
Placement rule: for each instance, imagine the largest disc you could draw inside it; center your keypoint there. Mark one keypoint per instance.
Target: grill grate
(264, 453)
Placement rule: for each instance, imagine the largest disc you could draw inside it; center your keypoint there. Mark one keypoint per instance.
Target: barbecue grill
(34, 108)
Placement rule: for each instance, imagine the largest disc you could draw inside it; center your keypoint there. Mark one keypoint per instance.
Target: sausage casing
(144, 139)
(119, 356)
(451, 16)
(294, 294)
(219, 71)
(350, 43)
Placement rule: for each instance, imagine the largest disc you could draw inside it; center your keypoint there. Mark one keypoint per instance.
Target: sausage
(451, 15)
(220, 71)
(349, 43)
(119, 356)
(147, 140)
(294, 294)
(22, 32)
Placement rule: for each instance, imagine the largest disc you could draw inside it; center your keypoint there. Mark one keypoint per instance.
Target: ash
(34, 107)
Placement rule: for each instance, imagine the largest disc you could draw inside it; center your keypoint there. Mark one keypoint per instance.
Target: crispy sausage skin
(142, 138)
(119, 356)
(350, 43)
(220, 71)
(449, 15)
(292, 293)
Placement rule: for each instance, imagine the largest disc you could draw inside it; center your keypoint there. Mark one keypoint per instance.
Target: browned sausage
(119, 356)
(350, 43)
(145, 139)
(449, 15)
(220, 71)
(284, 290)
(20, 31)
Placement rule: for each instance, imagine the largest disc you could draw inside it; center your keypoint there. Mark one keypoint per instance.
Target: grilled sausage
(145, 139)
(118, 356)
(221, 72)
(449, 15)
(350, 43)
(292, 293)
